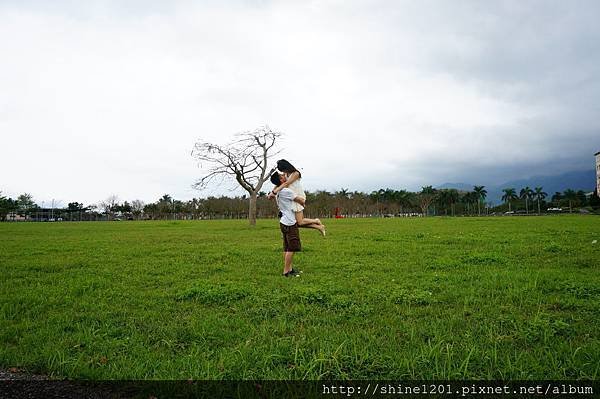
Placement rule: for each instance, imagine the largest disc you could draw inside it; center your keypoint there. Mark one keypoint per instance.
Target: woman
(293, 177)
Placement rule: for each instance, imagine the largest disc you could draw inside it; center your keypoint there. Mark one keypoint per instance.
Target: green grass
(447, 298)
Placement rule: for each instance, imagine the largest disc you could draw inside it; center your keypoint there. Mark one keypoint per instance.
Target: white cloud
(101, 98)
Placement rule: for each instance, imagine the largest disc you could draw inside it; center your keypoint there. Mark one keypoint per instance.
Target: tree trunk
(252, 209)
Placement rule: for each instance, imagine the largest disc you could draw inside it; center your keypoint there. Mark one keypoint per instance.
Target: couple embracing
(291, 199)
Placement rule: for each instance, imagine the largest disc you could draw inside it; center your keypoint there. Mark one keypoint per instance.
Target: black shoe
(296, 272)
(291, 273)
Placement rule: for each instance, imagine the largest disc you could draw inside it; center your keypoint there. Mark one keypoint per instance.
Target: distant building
(15, 217)
(598, 172)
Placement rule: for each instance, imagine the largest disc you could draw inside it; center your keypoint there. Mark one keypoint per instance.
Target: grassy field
(447, 298)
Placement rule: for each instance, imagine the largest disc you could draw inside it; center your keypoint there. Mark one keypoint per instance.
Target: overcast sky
(109, 97)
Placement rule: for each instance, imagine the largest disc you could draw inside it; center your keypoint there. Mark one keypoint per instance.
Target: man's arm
(292, 178)
(288, 194)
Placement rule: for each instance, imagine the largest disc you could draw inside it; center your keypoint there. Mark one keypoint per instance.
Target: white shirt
(297, 188)
(285, 201)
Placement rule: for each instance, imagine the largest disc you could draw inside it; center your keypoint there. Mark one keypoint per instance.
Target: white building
(598, 172)
(15, 217)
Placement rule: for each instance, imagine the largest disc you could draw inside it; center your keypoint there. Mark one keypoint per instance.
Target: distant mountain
(581, 180)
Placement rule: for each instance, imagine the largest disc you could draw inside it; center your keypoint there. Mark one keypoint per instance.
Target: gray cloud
(112, 95)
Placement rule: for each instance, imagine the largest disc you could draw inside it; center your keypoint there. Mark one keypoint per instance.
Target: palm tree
(468, 199)
(581, 198)
(540, 195)
(341, 199)
(557, 197)
(378, 197)
(480, 194)
(453, 197)
(389, 195)
(343, 193)
(443, 199)
(509, 195)
(571, 196)
(403, 198)
(360, 202)
(526, 194)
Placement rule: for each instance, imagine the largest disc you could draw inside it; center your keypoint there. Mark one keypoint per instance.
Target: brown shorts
(291, 238)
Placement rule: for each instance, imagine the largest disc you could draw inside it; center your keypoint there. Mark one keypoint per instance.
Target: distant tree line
(343, 203)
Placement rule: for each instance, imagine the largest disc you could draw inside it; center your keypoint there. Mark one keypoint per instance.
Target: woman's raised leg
(309, 223)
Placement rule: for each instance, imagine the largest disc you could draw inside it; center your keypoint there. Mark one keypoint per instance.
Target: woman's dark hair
(284, 166)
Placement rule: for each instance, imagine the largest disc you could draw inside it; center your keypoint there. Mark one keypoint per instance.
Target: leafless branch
(245, 159)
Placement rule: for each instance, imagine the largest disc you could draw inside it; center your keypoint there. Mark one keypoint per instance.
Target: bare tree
(425, 198)
(243, 159)
(137, 207)
(108, 205)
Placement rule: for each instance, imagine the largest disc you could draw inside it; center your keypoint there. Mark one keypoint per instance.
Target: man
(287, 223)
